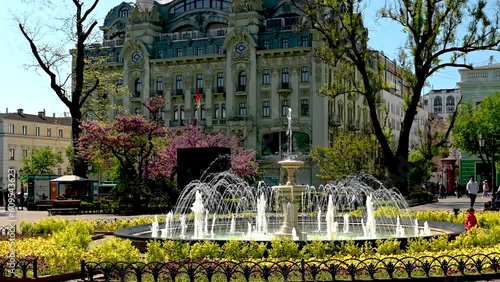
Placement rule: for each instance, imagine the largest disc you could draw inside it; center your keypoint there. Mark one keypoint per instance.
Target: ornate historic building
(233, 66)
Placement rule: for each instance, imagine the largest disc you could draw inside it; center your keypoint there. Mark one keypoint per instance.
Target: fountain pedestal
(290, 191)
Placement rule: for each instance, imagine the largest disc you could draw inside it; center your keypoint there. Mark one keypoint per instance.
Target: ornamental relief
(136, 66)
(235, 57)
(265, 94)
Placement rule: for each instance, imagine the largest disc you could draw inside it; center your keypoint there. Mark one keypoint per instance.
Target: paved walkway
(444, 204)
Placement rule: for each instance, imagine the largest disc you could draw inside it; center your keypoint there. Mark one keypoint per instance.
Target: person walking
(472, 190)
(21, 199)
(458, 190)
(486, 189)
(470, 220)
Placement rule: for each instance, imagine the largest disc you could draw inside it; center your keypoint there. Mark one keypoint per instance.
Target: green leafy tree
(41, 161)
(433, 43)
(419, 174)
(349, 154)
(470, 123)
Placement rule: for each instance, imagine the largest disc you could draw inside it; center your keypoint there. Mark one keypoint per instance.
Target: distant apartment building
(20, 132)
(475, 86)
(441, 102)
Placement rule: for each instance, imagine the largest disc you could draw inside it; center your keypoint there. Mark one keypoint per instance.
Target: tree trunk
(398, 169)
(79, 164)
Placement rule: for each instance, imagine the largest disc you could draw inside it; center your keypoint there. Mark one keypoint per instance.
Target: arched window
(217, 111)
(438, 105)
(242, 81)
(450, 104)
(138, 87)
(124, 12)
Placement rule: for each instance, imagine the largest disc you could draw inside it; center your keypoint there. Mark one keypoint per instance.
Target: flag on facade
(198, 98)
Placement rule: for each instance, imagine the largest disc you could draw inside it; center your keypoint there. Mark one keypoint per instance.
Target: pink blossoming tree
(144, 152)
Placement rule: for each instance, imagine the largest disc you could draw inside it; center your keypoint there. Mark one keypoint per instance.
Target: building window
(178, 84)
(203, 113)
(219, 49)
(178, 52)
(220, 81)
(49, 132)
(199, 82)
(284, 108)
(266, 77)
(12, 129)
(304, 107)
(12, 154)
(138, 87)
(159, 84)
(304, 41)
(223, 110)
(25, 130)
(199, 50)
(124, 12)
(25, 153)
(284, 43)
(438, 105)
(160, 54)
(284, 79)
(182, 114)
(242, 81)
(304, 74)
(217, 111)
(266, 44)
(243, 109)
(37, 131)
(176, 113)
(61, 133)
(266, 109)
(119, 84)
(450, 104)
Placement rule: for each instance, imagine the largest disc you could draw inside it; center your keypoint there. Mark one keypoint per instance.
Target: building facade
(247, 62)
(475, 86)
(20, 132)
(441, 102)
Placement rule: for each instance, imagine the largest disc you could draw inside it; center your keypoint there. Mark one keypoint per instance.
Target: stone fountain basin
(141, 234)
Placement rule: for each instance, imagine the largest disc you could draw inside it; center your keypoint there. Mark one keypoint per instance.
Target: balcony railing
(178, 92)
(185, 35)
(241, 88)
(334, 120)
(218, 90)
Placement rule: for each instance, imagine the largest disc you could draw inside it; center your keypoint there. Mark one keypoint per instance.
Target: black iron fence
(442, 268)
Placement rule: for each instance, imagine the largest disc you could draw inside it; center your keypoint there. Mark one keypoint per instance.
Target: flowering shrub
(114, 250)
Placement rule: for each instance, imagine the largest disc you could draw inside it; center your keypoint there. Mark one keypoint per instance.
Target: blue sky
(30, 90)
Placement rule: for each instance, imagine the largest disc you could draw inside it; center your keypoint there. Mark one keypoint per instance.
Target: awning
(69, 178)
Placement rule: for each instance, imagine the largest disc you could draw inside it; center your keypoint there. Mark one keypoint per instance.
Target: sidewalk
(452, 202)
(25, 215)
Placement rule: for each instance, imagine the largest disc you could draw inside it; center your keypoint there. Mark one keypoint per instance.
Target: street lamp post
(482, 142)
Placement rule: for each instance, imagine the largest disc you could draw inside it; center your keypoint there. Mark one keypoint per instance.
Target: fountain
(263, 213)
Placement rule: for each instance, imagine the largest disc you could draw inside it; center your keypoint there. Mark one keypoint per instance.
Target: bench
(65, 207)
(44, 205)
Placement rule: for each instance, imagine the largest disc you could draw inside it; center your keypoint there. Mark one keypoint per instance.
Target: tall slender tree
(49, 57)
(434, 31)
